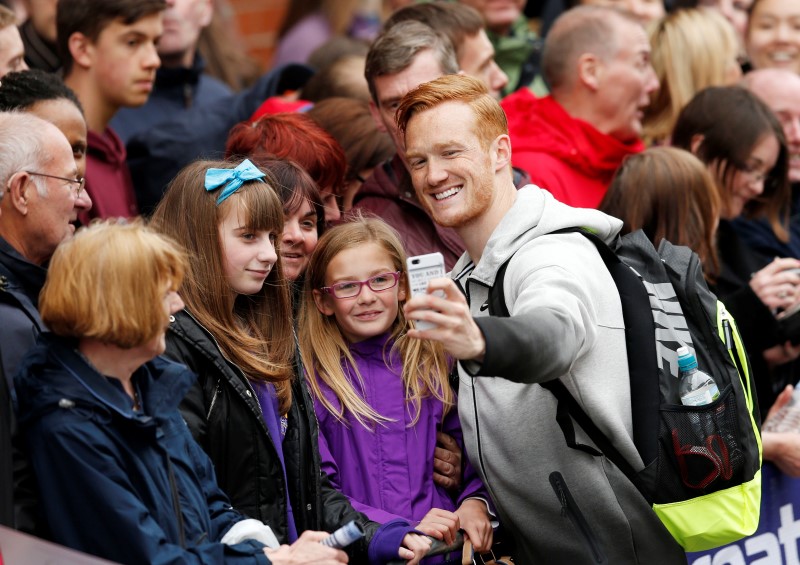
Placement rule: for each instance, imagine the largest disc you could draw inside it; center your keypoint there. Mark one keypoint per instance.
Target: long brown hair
(730, 122)
(323, 347)
(669, 194)
(255, 331)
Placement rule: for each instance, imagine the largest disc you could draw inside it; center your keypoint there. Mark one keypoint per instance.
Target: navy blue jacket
(20, 284)
(174, 92)
(20, 324)
(111, 479)
(155, 156)
(758, 234)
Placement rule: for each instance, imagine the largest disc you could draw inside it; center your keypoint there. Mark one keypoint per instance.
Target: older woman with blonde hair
(119, 473)
(691, 49)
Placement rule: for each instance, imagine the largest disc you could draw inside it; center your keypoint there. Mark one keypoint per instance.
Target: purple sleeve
(386, 542)
(331, 468)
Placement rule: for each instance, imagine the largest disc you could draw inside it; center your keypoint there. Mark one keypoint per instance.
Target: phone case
(421, 269)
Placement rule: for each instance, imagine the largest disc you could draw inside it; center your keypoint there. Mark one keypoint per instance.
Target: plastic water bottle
(695, 387)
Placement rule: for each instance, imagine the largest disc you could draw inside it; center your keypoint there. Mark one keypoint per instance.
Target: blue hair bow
(233, 179)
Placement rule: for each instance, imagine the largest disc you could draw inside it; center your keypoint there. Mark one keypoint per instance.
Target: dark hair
(349, 121)
(295, 137)
(21, 90)
(451, 19)
(90, 17)
(294, 185)
(343, 77)
(731, 121)
(395, 49)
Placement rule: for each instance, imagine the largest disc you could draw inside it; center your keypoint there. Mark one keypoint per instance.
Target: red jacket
(108, 180)
(568, 157)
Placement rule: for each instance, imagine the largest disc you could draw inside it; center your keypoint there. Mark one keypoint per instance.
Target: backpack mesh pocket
(700, 443)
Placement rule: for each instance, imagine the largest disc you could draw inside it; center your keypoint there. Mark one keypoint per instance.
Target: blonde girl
(380, 397)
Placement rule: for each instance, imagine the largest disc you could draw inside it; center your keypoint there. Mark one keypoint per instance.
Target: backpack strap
(568, 408)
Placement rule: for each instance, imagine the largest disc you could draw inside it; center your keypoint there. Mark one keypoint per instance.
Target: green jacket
(513, 54)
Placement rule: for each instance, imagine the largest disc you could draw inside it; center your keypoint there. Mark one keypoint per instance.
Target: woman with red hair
(298, 138)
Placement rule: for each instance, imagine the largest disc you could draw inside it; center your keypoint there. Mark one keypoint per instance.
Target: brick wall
(258, 22)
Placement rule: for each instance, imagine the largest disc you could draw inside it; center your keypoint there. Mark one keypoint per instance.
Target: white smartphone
(421, 269)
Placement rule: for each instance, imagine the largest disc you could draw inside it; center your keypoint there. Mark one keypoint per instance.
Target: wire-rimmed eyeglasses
(81, 182)
(351, 289)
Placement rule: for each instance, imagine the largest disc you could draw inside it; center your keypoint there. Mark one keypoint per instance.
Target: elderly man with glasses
(41, 198)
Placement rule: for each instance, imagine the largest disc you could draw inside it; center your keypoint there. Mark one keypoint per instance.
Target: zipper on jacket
(570, 509)
(283, 479)
(236, 367)
(478, 430)
(176, 501)
(213, 401)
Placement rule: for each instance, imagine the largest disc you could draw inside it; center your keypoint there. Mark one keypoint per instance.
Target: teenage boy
(181, 82)
(108, 49)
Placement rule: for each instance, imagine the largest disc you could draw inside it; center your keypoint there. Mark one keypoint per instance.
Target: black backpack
(702, 471)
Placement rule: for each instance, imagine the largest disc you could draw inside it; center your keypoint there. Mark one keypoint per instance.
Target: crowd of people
(209, 349)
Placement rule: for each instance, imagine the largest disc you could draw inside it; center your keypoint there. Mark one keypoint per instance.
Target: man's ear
(376, 117)
(323, 302)
(590, 71)
(18, 192)
(502, 152)
(697, 141)
(81, 49)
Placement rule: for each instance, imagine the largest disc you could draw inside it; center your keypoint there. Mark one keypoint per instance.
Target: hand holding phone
(421, 269)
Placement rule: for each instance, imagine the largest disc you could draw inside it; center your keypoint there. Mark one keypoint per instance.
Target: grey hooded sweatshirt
(562, 505)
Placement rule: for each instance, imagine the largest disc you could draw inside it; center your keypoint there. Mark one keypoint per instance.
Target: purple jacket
(387, 472)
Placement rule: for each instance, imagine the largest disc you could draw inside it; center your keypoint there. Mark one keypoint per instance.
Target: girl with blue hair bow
(250, 409)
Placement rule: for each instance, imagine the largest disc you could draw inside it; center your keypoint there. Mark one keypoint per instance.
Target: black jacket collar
(20, 274)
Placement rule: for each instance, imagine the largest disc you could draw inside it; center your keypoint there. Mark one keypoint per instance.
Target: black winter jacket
(224, 415)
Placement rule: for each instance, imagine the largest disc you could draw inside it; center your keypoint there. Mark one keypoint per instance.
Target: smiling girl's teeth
(447, 193)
